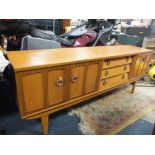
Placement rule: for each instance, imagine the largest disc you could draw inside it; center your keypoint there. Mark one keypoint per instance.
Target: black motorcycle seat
(50, 36)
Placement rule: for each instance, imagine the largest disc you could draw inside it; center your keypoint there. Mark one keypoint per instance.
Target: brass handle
(108, 62)
(104, 82)
(127, 59)
(106, 73)
(74, 78)
(125, 68)
(123, 76)
(60, 81)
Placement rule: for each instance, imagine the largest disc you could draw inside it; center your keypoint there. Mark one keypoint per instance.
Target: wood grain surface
(35, 59)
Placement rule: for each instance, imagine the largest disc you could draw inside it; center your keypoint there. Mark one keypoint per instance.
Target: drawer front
(106, 73)
(114, 81)
(76, 80)
(116, 62)
(56, 84)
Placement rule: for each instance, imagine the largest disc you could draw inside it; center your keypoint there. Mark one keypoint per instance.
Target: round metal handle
(108, 62)
(60, 81)
(104, 82)
(125, 68)
(123, 76)
(106, 73)
(74, 78)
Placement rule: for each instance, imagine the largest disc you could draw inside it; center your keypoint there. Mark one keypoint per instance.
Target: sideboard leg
(44, 123)
(133, 87)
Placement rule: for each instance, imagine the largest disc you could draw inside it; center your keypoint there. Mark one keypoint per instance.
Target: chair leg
(44, 123)
(133, 87)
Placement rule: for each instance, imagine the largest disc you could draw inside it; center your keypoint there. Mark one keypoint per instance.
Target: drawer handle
(127, 59)
(60, 81)
(108, 62)
(125, 68)
(106, 73)
(123, 76)
(104, 82)
(74, 78)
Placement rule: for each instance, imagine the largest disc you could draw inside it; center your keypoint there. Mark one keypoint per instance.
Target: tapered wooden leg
(44, 123)
(133, 87)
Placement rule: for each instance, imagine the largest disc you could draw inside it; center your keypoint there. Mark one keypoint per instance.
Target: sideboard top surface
(35, 59)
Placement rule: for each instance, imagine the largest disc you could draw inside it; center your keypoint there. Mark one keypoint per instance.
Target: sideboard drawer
(116, 62)
(106, 73)
(114, 81)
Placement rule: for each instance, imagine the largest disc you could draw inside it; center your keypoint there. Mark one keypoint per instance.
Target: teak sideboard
(50, 80)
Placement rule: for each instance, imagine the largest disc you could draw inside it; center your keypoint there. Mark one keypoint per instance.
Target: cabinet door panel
(91, 77)
(136, 65)
(55, 86)
(145, 67)
(76, 80)
(33, 91)
(141, 65)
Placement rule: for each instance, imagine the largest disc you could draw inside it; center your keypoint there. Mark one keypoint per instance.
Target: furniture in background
(66, 23)
(32, 43)
(50, 80)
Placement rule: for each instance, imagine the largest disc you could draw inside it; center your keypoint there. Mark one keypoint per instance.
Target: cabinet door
(140, 65)
(33, 91)
(56, 85)
(146, 63)
(92, 76)
(76, 87)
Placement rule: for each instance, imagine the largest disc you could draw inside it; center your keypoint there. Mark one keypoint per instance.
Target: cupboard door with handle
(76, 87)
(92, 76)
(56, 85)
